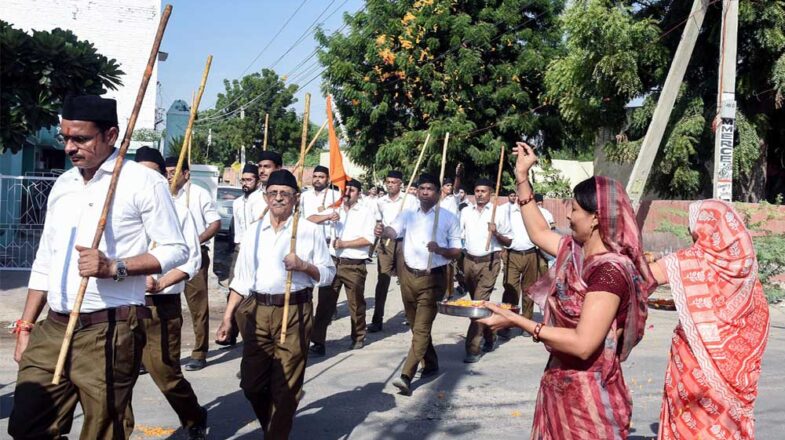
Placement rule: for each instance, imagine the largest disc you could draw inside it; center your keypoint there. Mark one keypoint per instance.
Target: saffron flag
(338, 175)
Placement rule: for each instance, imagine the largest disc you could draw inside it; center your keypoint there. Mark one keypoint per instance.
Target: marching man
(103, 363)
(272, 372)
(422, 287)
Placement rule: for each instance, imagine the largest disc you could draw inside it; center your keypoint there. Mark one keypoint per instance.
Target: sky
(235, 33)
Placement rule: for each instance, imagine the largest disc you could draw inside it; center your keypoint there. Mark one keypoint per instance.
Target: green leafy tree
(37, 71)
(473, 69)
(620, 50)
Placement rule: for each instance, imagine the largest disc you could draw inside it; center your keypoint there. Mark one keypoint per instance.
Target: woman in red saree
(712, 378)
(594, 303)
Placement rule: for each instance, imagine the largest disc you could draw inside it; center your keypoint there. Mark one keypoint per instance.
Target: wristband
(22, 326)
(536, 334)
(523, 202)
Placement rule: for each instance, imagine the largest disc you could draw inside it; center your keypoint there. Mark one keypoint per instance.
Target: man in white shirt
(208, 222)
(387, 251)
(161, 354)
(354, 235)
(315, 203)
(269, 161)
(242, 208)
(106, 348)
(481, 262)
(521, 264)
(422, 286)
(449, 192)
(272, 372)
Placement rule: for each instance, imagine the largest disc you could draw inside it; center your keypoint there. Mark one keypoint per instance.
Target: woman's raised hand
(526, 160)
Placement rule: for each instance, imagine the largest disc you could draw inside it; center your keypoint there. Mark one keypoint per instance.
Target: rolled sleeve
(39, 273)
(368, 227)
(209, 210)
(162, 226)
(399, 223)
(194, 263)
(454, 235)
(322, 259)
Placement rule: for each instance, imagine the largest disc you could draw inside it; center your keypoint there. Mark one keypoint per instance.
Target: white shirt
(258, 204)
(417, 229)
(260, 265)
(548, 216)
(311, 201)
(142, 211)
(242, 215)
(520, 238)
(474, 225)
(358, 222)
(194, 263)
(450, 203)
(388, 209)
(200, 203)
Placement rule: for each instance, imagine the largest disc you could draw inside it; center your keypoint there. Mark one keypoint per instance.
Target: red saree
(712, 378)
(592, 401)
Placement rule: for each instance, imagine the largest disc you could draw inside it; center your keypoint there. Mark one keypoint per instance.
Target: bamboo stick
(437, 207)
(99, 231)
(295, 221)
(190, 139)
(310, 145)
(411, 179)
(190, 126)
(495, 197)
(266, 123)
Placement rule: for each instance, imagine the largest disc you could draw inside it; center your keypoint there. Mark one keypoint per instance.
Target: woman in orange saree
(594, 304)
(712, 377)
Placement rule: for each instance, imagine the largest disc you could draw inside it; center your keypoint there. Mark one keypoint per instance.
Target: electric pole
(725, 122)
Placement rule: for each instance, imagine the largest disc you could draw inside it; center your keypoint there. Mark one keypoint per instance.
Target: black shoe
(317, 349)
(239, 375)
(375, 327)
(404, 384)
(425, 372)
(357, 345)
(199, 432)
(472, 358)
(195, 365)
(489, 346)
(142, 370)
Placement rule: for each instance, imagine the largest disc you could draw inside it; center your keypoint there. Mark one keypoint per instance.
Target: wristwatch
(121, 272)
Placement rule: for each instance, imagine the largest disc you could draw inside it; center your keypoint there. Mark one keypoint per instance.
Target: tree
(619, 50)
(238, 119)
(37, 71)
(473, 69)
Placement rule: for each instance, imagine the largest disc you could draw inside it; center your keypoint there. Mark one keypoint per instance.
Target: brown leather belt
(267, 299)
(348, 261)
(526, 252)
(484, 259)
(160, 299)
(106, 315)
(424, 273)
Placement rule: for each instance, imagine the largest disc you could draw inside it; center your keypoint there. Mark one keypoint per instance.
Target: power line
(269, 43)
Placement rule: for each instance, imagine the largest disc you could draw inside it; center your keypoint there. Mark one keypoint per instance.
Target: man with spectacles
(271, 371)
(208, 222)
(106, 348)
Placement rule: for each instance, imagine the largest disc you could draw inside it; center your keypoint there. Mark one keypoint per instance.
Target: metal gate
(22, 213)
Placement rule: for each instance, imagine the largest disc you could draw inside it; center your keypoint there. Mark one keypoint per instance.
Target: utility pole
(242, 147)
(725, 122)
(670, 91)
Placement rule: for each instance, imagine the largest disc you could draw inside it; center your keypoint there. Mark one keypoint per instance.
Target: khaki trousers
(386, 257)
(272, 372)
(352, 277)
(480, 279)
(420, 294)
(161, 358)
(196, 297)
(100, 372)
(520, 272)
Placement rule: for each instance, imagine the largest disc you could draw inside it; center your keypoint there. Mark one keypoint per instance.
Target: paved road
(349, 395)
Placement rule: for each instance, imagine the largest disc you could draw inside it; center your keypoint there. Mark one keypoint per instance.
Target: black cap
(251, 168)
(395, 174)
(90, 108)
(355, 183)
(171, 161)
(448, 181)
(428, 178)
(147, 154)
(271, 156)
(482, 181)
(283, 177)
(538, 198)
(321, 169)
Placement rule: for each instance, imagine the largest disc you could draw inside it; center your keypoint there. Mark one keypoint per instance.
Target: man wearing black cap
(388, 209)
(423, 286)
(481, 264)
(272, 372)
(208, 222)
(161, 354)
(315, 203)
(269, 161)
(354, 235)
(106, 349)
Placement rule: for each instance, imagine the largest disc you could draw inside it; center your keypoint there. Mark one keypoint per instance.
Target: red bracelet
(22, 326)
(523, 202)
(536, 334)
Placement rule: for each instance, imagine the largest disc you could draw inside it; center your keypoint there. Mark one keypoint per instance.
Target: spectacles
(282, 194)
(63, 139)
